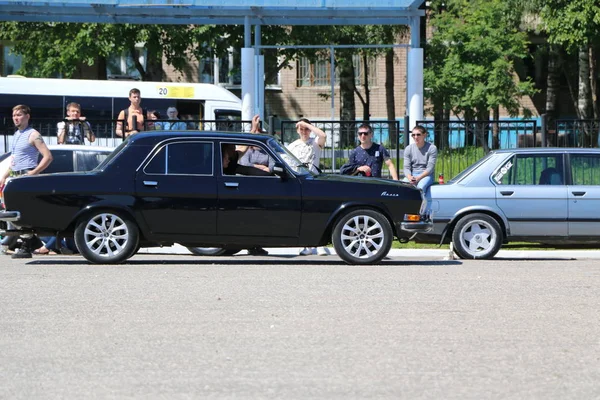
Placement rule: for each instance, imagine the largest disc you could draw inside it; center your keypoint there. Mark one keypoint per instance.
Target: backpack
(126, 123)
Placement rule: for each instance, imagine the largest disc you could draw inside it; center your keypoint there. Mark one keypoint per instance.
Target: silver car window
(531, 169)
(585, 169)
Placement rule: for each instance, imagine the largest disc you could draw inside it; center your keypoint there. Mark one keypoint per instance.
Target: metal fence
(460, 143)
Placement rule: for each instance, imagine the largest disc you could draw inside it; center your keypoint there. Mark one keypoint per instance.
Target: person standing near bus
(76, 128)
(134, 116)
(27, 145)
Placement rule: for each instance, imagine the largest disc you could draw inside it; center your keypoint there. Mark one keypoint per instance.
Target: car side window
(585, 169)
(241, 159)
(531, 169)
(182, 158)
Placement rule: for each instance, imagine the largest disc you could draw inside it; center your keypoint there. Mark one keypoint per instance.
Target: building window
(123, 65)
(10, 62)
(317, 73)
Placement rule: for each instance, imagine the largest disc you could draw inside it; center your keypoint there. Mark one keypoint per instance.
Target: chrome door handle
(578, 193)
(232, 184)
(150, 183)
(507, 192)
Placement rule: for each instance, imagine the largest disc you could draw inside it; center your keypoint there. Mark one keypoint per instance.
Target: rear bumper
(10, 216)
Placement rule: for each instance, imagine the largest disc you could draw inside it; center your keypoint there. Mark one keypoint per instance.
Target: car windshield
(291, 161)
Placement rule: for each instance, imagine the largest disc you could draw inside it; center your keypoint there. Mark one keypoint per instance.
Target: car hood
(363, 180)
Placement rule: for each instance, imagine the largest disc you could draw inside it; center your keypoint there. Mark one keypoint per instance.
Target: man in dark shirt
(370, 156)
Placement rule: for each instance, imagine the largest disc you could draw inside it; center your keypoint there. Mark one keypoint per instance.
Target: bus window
(92, 108)
(225, 120)
(41, 106)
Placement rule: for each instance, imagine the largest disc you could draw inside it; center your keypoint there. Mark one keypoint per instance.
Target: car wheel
(477, 236)
(107, 237)
(212, 251)
(362, 237)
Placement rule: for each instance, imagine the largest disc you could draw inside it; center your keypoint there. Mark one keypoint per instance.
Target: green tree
(470, 62)
(575, 24)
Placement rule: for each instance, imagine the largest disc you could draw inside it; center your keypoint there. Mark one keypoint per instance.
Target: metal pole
(332, 80)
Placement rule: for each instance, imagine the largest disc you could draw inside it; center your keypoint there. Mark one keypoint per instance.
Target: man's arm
(322, 136)
(392, 168)
(119, 128)
(5, 175)
(61, 128)
(407, 162)
(37, 140)
(88, 127)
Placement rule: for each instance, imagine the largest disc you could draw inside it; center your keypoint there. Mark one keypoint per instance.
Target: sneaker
(257, 251)
(323, 251)
(22, 253)
(4, 250)
(307, 251)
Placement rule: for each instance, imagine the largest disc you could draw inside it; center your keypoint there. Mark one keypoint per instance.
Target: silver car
(546, 195)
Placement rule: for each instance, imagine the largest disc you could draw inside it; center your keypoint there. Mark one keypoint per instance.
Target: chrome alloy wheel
(106, 235)
(362, 236)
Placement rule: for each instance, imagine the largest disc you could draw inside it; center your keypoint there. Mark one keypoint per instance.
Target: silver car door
(531, 206)
(584, 196)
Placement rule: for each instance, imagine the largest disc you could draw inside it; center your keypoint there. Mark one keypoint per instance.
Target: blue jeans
(425, 185)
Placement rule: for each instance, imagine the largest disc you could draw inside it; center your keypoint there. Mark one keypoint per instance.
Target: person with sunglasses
(369, 156)
(419, 162)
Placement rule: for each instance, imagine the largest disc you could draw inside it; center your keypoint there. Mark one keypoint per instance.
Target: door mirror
(279, 170)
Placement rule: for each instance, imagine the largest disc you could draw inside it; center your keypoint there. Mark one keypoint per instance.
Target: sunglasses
(416, 134)
(363, 133)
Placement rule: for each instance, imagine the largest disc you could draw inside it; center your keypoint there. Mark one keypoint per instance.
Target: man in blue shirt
(370, 156)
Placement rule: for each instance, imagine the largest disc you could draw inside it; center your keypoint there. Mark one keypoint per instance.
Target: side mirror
(279, 170)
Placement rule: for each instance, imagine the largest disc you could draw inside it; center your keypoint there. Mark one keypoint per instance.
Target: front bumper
(423, 225)
(10, 216)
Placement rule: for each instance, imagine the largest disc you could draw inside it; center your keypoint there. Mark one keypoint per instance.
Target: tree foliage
(470, 58)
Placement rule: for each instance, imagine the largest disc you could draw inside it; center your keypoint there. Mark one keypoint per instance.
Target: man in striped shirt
(27, 145)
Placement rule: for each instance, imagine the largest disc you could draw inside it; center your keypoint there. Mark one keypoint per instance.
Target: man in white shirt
(308, 150)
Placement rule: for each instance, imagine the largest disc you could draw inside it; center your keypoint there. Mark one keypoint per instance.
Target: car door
(176, 190)
(265, 206)
(531, 206)
(584, 195)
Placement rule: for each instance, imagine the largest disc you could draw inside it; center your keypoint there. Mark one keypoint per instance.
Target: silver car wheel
(477, 236)
(362, 237)
(106, 235)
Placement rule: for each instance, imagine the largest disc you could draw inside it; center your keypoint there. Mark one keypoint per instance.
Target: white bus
(101, 101)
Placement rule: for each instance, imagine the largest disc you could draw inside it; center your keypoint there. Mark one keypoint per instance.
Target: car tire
(477, 236)
(107, 237)
(362, 237)
(212, 251)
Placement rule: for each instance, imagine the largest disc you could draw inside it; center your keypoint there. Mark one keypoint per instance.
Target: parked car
(547, 195)
(159, 188)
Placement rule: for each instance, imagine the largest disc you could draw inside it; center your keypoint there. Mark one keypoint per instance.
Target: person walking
(27, 145)
(420, 158)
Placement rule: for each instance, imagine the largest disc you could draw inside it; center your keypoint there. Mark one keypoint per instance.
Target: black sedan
(160, 188)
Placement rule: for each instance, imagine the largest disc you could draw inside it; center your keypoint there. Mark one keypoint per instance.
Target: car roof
(73, 147)
(549, 150)
(161, 135)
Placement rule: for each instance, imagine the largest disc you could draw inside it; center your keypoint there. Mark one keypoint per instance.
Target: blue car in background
(543, 195)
